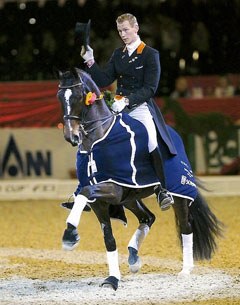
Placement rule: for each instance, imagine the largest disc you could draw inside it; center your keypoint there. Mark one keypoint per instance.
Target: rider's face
(127, 32)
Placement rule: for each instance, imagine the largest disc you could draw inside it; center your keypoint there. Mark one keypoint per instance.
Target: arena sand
(35, 270)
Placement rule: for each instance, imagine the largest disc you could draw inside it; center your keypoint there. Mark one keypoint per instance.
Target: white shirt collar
(133, 46)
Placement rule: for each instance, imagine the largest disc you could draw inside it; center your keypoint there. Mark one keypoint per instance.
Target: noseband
(82, 124)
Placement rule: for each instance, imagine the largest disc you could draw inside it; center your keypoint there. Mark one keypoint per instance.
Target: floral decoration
(90, 98)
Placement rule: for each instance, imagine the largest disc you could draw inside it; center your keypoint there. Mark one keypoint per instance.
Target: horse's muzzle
(73, 139)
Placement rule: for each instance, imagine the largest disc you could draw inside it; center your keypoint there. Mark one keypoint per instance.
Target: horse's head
(78, 94)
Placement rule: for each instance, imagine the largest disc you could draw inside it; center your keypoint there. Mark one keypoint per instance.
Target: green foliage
(109, 98)
(182, 119)
(200, 123)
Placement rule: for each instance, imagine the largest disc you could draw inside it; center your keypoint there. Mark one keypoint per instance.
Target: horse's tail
(206, 228)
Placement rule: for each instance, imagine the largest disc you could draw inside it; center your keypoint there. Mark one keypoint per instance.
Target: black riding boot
(164, 198)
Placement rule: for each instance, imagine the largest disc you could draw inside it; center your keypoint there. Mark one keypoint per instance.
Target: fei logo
(13, 163)
(185, 180)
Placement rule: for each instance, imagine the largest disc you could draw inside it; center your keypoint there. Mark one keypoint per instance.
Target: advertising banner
(35, 153)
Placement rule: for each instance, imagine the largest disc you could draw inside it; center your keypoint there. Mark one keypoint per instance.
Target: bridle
(82, 123)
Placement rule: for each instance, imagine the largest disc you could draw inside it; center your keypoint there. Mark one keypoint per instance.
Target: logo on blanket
(185, 180)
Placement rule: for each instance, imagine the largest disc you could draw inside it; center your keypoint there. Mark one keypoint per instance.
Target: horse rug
(121, 156)
(179, 176)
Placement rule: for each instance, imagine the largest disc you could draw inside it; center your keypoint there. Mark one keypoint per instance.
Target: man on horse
(136, 67)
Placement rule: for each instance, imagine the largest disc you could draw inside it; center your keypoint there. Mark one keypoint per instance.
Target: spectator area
(207, 82)
(28, 104)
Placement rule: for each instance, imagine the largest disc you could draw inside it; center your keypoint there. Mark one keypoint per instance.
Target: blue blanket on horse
(180, 180)
(122, 157)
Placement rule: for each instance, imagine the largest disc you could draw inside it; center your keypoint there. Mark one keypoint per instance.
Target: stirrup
(166, 202)
(164, 198)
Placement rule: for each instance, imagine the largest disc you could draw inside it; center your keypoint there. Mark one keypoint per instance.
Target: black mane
(88, 81)
(73, 76)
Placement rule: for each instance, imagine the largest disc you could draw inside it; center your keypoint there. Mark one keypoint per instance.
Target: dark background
(175, 27)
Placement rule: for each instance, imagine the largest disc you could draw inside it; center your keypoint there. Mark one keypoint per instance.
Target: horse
(105, 141)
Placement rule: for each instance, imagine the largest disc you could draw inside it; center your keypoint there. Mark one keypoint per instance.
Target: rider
(136, 67)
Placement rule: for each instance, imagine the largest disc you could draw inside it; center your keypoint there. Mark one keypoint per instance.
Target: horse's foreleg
(114, 271)
(75, 214)
(112, 252)
(71, 238)
(184, 226)
(101, 209)
(146, 219)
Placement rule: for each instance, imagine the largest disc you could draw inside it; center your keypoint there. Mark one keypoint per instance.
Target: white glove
(119, 104)
(87, 55)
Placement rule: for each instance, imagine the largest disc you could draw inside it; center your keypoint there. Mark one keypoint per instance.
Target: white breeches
(142, 114)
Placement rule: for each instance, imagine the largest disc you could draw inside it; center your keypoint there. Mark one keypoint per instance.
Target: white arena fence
(61, 189)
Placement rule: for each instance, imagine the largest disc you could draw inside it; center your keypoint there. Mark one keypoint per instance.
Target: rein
(71, 86)
(82, 124)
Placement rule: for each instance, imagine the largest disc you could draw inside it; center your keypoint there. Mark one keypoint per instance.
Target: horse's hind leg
(146, 219)
(183, 222)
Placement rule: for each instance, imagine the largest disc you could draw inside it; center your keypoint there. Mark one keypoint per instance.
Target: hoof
(69, 246)
(111, 282)
(70, 239)
(135, 267)
(134, 261)
(185, 271)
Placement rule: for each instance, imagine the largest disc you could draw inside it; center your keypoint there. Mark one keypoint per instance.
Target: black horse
(106, 182)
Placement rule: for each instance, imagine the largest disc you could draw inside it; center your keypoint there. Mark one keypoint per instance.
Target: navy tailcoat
(137, 78)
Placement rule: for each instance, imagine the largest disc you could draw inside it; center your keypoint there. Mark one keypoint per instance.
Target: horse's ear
(57, 73)
(75, 72)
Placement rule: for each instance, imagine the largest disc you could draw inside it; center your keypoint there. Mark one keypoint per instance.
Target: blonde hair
(127, 17)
